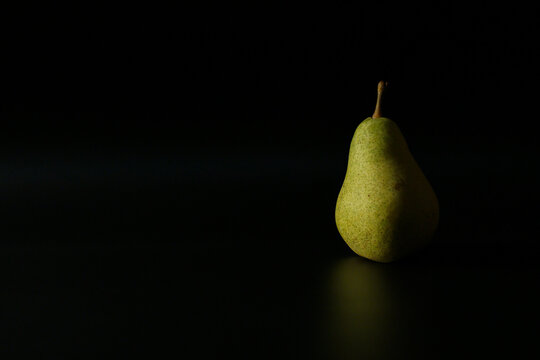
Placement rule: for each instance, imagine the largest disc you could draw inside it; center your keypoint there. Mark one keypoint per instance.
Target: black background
(169, 175)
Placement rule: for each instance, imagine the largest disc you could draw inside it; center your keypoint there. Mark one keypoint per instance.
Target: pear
(386, 208)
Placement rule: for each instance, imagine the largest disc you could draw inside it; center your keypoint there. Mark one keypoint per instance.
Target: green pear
(386, 208)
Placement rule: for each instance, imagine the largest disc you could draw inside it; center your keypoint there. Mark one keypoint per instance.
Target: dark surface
(193, 263)
(168, 185)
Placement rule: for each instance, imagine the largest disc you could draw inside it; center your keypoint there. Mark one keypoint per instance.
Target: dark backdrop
(169, 175)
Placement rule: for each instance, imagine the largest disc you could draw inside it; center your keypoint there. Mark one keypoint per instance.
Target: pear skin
(386, 208)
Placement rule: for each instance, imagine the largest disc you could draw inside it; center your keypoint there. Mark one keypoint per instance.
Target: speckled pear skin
(386, 208)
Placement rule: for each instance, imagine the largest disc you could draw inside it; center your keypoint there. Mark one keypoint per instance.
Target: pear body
(386, 208)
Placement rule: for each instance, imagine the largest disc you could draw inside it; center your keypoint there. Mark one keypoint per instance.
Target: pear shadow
(367, 310)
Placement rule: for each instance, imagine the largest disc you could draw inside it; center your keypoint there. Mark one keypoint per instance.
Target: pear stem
(380, 92)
